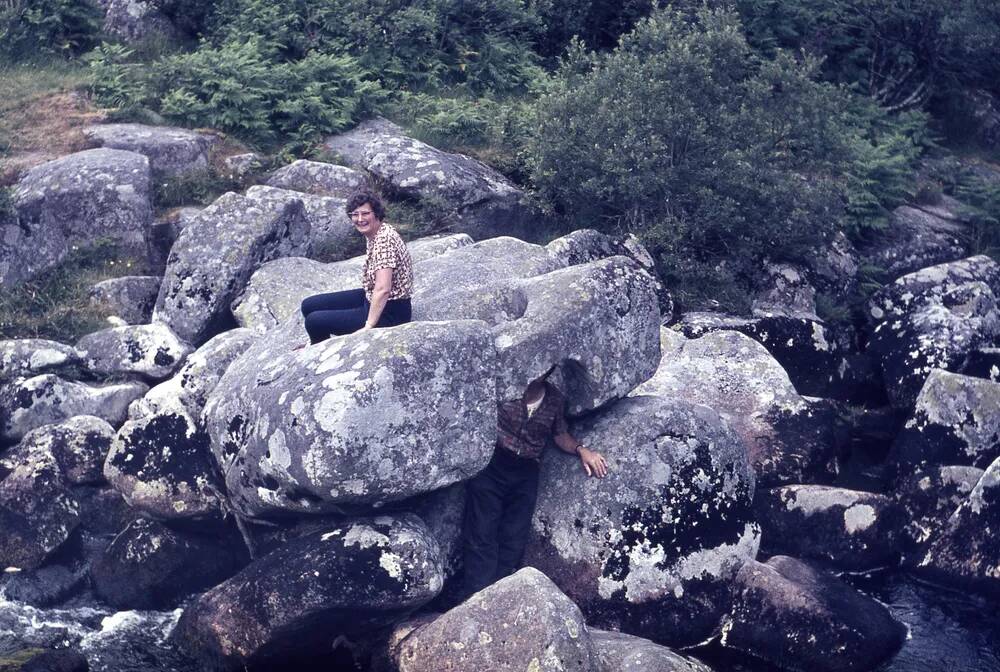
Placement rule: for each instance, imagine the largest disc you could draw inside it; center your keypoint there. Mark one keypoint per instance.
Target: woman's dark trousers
(345, 312)
(500, 501)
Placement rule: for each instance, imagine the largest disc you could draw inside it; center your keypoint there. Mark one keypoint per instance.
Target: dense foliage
(38, 28)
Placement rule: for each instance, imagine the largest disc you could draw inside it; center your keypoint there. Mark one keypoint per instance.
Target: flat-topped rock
(32, 356)
(171, 151)
(321, 179)
(152, 351)
(914, 239)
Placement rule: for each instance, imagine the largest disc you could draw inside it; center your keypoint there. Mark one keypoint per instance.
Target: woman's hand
(593, 462)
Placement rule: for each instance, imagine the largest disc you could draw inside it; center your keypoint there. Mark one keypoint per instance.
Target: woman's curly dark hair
(362, 196)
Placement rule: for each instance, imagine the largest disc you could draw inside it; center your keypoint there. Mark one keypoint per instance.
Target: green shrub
(30, 29)
(981, 200)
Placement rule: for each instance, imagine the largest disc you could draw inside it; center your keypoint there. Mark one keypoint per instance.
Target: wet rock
(43, 587)
(78, 446)
(321, 179)
(276, 290)
(620, 652)
(293, 602)
(171, 151)
(789, 438)
(849, 529)
(330, 227)
(214, 256)
(914, 239)
(32, 356)
(44, 660)
(370, 417)
(799, 618)
(73, 201)
(32, 402)
(131, 297)
(521, 622)
(485, 202)
(162, 465)
(152, 351)
(928, 497)
(137, 20)
(37, 513)
(651, 548)
(151, 566)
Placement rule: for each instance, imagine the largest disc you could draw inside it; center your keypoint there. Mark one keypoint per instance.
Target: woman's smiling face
(364, 220)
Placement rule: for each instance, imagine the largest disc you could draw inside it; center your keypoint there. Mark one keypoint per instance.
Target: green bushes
(39, 28)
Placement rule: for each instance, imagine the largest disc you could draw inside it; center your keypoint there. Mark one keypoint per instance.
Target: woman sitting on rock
(386, 280)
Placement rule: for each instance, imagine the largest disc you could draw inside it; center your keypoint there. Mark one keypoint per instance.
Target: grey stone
(32, 402)
(71, 202)
(136, 20)
(330, 227)
(164, 232)
(848, 529)
(621, 652)
(522, 622)
(214, 256)
(241, 167)
(171, 151)
(914, 239)
(78, 446)
(131, 297)
(152, 351)
(928, 497)
(786, 291)
(296, 600)
(366, 418)
(46, 586)
(443, 511)
(315, 177)
(651, 548)
(835, 266)
(32, 356)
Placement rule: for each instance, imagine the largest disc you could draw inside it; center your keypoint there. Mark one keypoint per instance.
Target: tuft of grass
(192, 188)
(56, 304)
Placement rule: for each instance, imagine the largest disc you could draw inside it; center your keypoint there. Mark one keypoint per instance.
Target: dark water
(948, 632)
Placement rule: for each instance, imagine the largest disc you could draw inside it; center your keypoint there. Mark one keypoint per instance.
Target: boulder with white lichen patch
(316, 177)
(914, 238)
(131, 297)
(651, 548)
(149, 350)
(78, 445)
(330, 228)
(33, 356)
(849, 529)
(171, 151)
(291, 604)
(928, 497)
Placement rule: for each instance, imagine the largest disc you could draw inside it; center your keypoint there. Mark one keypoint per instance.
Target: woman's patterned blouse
(388, 250)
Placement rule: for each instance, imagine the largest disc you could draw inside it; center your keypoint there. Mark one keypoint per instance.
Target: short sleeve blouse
(387, 250)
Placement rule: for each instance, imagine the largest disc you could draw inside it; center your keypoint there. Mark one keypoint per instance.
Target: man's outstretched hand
(593, 463)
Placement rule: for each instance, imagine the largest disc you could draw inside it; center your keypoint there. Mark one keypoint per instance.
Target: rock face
(928, 498)
(330, 227)
(215, 255)
(798, 618)
(521, 622)
(171, 151)
(913, 240)
(74, 200)
(42, 400)
(150, 566)
(786, 292)
(32, 356)
(148, 350)
(131, 297)
(618, 652)
(297, 599)
(485, 202)
(78, 446)
(789, 438)
(321, 179)
(651, 548)
(365, 418)
(850, 529)
(136, 20)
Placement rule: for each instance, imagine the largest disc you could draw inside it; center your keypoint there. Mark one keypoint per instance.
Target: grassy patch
(56, 304)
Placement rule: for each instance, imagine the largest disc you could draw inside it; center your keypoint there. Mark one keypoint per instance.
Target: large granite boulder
(485, 202)
(914, 239)
(32, 402)
(32, 356)
(316, 177)
(131, 297)
(152, 351)
(620, 652)
(848, 529)
(786, 291)
(171, 151)
(330, 227)
(790, 439)
(296, 600)
(651, 548)
(928, 497)
(214, 256)
(98, 194)
(798, 618)
(366, 418)
(135, 21)
(77, 445)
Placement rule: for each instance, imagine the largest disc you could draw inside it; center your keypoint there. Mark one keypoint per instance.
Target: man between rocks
(500, 500)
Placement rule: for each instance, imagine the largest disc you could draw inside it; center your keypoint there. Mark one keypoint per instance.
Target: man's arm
(593, 462)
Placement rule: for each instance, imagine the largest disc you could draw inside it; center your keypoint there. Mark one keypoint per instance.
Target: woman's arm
(380, 295)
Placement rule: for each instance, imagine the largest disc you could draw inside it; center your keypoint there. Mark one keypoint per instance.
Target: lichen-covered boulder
(299, 598)
(485, 202)
(42, 400)
(785, 291)
(151, 566)
(73, 201)
(243, 167)
(651, 548)
(136, 20)
(914, 239)
(522, 622)
(77, 445)
(366, 418)
(163, 466)
(215, 255)
(330, 227)
(37, 513)
(849, 529)
(152, 351)
(928, 497)
(796, 617)
(32, 356)
(196, 378)
(171, 151)
(131, 297)
(956, 420)
(316, 177)
(789, 438)
(620, 652)
(443, 511)
(276, 290)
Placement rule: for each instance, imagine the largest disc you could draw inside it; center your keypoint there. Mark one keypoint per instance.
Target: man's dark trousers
(500, 501)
